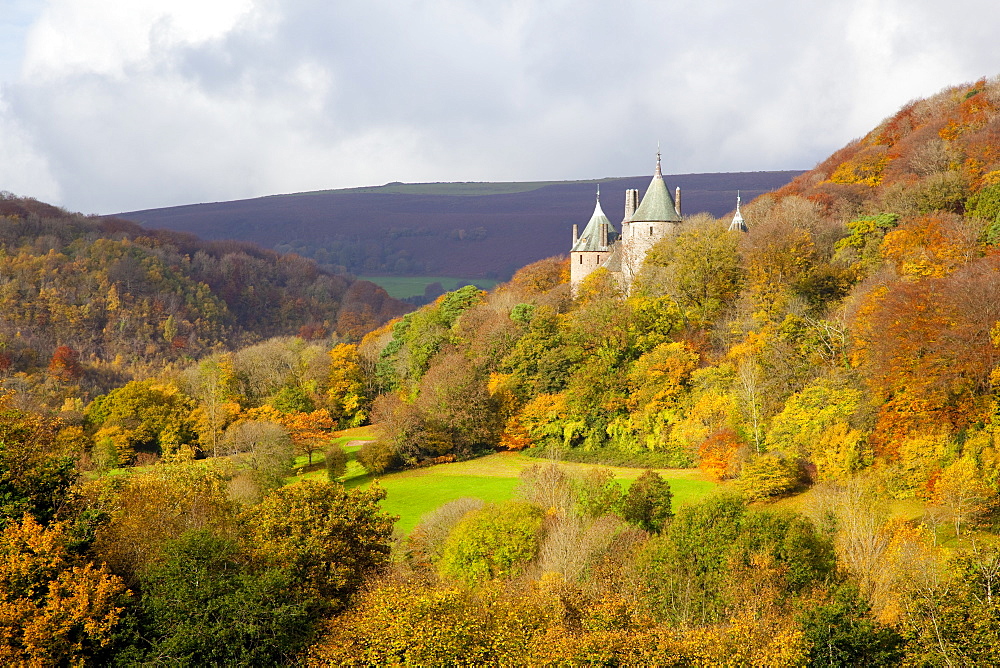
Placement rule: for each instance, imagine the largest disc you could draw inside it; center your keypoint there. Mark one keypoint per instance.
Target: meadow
(413, 493)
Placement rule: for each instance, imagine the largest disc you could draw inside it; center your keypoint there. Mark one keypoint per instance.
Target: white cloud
(24, 169)
(123, 105)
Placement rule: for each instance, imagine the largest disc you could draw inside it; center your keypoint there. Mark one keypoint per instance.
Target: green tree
(335, 459)
(957, 622)
(647, 503)
(291, 399)
(329, 537)
(496, 541)
(841, 632)
(713, 554)
(34, 477)
(700, 268)
(206, 604)
(142, 415)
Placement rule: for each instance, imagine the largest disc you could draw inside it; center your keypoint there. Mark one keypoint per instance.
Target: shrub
(495, 542)
(336, 462)
(767, 476)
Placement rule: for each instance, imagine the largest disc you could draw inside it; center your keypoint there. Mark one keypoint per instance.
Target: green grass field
(402, 287)
(414, 493)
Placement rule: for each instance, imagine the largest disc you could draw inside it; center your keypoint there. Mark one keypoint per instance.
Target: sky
(118, 105)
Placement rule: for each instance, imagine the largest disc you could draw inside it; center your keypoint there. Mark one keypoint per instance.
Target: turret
(591, 248)
(655, 218)
(738, 224)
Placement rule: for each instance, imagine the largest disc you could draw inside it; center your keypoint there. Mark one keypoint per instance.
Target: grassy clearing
(402, 287)
(414, 493)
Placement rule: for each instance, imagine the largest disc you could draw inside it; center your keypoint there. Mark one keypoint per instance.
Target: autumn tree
(145, 510)
(934, 245)
(346, 387)
(929, 340)
(796, 431)
(961, 490)
(65, 364)
(700, 267)
(330, 538)
(35, 478)
(767, 475)
(55, 608)
(494, 542)
(218, 402)
(335, 460)
(717, 454)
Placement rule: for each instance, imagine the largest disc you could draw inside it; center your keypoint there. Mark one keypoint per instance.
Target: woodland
(833, 369)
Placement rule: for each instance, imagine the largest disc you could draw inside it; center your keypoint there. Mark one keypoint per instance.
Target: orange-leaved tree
(55, 608)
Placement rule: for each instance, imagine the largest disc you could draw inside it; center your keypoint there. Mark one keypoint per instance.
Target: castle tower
(591, 249)
(738, 224)
(655, 218)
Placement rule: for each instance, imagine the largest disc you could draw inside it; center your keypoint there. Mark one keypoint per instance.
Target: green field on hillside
(402, 287)
(414, 493)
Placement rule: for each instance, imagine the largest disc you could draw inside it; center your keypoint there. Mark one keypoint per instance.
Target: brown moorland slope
(449, 229)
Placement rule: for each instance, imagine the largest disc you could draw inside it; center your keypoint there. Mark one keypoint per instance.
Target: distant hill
(120, 299)
(447, 229)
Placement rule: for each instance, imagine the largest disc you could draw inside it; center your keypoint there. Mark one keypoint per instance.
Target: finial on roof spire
(658, 172)
(598, 192)
(737, 200)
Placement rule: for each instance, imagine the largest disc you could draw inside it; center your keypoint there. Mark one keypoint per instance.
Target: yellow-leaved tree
(55, 609)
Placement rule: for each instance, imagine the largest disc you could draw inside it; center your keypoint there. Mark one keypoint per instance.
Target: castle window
(650, 231)
(581, 259)
(598, 259)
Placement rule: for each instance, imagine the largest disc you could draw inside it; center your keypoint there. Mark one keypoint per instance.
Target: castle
(645, 222)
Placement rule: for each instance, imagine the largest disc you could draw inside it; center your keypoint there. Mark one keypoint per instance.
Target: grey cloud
(319, 95)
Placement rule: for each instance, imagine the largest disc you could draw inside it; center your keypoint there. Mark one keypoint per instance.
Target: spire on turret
(738, 224)
(657, 205)
(598, 233)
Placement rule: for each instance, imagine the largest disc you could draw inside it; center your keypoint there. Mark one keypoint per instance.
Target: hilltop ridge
(449, 229)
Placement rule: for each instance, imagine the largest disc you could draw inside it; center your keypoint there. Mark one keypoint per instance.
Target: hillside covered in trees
(854, 327)
(833, 369)
(89, 303)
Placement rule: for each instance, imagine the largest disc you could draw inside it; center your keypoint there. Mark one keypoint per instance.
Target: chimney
(677, 200)
(576, 233)
(604, 235)
(631, 203)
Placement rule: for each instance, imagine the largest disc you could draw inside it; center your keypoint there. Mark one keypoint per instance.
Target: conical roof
(657, 205)
(590, 240)
(738, 224)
